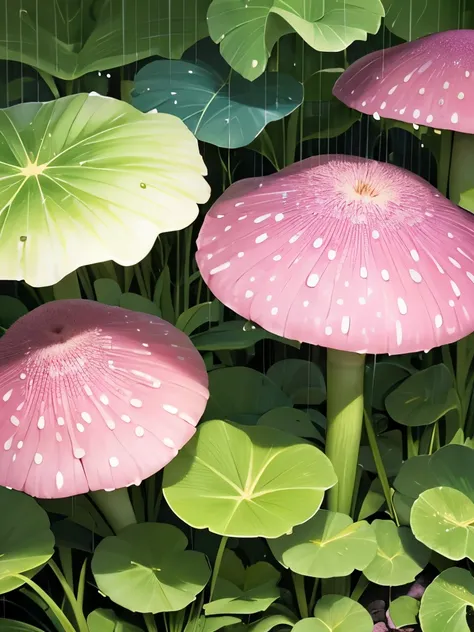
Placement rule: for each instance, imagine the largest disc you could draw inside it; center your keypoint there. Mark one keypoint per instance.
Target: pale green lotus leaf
(86, 179)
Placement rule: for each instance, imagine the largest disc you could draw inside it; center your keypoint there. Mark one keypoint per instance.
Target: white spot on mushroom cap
(355, 259)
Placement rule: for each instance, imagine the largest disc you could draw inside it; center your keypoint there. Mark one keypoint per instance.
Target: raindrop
(142, 185)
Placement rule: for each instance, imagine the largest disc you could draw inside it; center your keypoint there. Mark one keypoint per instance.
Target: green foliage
(411, 19)
(404, 611)
(238, 481)
(445, 601)
(78, 165)
(26, 538)
(424, 397)
(399, 557)
(241, 590)
(328, 545)
(69, 38)
(334, 613)
(323, 25)
(145, 568)
(102, 620)
(242, 395)
(220, 109)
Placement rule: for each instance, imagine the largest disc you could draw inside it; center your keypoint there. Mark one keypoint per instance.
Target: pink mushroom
(350, 254)
(429, 81)
(94, 397)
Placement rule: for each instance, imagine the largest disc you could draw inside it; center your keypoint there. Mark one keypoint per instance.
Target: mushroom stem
(116, 507)
(345, 413)
(461, 172)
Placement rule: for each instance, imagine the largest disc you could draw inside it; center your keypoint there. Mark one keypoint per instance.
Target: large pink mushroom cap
(343, 252)
(429, 81)
(94, 397)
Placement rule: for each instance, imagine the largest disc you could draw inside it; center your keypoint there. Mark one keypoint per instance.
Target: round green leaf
(381, 378)
(233, 335)
(250, 590)
(445, 602)
(107, 291)
(291, 420)
(415, 476)
(391, 450)
(242, 395)
(323, 24)
(334, 613)
(412, 19)
(26, 541)
(227, 111)
(342, 614)
(213, 624)
(404, 611)
(399, 556)
(145, 568)
(105, 620)
(373, 501)
(443, 519)
(91, 170)
(268, 623)
(452, 466)
(301, 380)
(423, 398)
(11, 309)
(243, 481)
(139, 303)
(328, 545)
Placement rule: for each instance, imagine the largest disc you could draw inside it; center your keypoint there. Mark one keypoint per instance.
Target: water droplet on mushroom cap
(358, 255)
(426, 81)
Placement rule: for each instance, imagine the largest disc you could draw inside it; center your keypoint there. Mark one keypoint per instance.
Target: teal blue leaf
(225, 111)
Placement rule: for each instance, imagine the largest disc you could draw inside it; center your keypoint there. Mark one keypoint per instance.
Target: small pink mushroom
(94, 397)
(347, 253)
(343, 252)
(429, 81)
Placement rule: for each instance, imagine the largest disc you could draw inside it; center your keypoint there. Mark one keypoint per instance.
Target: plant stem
(314, 592)
(188, 244)
(49, 81)
(150, 622)
(345, 409)
(69, 592)
(116, 507)
(382, 474)
(217, 564)
(360, 588)
(292, 137)
(52, 605)
(298, 582)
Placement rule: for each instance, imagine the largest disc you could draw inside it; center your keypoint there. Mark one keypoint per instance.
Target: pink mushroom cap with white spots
(343, 252)
(94, 397)
(429, 81)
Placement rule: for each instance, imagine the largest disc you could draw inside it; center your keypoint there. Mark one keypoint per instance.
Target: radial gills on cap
(94, 397)
(429, 81)
(343, 252)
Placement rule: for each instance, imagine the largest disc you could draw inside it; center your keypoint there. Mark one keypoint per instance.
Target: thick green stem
(116, 507)
(300, 593)
(345, 410)
(461, 172)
